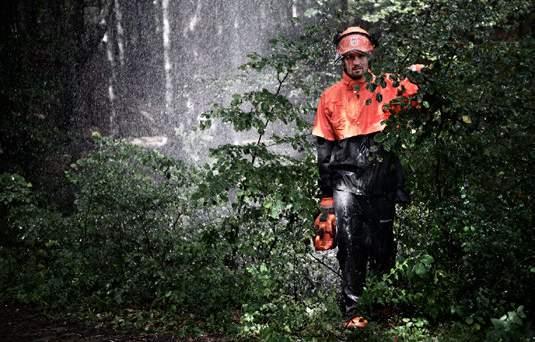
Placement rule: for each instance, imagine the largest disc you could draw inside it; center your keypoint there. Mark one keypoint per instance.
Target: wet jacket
(347, 118)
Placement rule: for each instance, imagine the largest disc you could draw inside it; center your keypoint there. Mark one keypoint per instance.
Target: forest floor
(25, 323)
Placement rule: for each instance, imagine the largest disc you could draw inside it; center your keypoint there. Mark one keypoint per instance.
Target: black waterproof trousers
(364, 237)
(365, 181)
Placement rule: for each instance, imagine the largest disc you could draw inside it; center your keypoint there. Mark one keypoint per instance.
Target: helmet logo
(354, 38)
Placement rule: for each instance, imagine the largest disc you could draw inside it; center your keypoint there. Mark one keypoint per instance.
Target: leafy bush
(465, 239)
(509, 327)
(29, 240)
(226, 246)
(466, 151)
(135, 239)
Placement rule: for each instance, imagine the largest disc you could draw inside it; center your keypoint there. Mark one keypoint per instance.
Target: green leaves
(509, 327)
(253, 110)
(379, 97)
(226, 247)
(448, 234)
(15, 190)
(424, 265)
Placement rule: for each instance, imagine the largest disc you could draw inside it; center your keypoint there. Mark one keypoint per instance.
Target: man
(359, 181)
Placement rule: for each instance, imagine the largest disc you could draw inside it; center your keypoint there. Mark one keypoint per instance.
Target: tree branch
(324, 264)
(281, 82)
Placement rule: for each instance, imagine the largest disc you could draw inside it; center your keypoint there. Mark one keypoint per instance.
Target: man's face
(356, 64)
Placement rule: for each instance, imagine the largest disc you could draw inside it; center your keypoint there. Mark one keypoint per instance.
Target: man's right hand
(325, 226)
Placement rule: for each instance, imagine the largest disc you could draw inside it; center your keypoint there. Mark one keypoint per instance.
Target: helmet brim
(339, 56)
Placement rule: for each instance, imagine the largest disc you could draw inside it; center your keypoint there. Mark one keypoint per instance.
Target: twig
(327, 266)
(281, 81)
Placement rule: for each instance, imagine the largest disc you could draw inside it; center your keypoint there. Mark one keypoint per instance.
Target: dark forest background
(158, 175)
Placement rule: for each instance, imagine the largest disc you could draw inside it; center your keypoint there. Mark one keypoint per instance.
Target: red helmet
(353, 39)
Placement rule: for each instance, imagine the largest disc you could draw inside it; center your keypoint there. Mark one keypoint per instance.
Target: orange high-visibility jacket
(345, 112)
(347, 118)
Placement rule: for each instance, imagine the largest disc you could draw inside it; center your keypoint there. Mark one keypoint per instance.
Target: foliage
(28, 233)
(467, 152)
(470, 192)
(133, 241)
(465, 240)
(509, 327)
(272, 196)
(152, 243)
